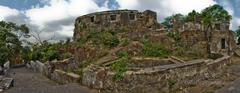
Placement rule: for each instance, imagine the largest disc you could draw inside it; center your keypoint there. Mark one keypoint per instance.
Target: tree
(215, 13)
(211, 15)
(10, 44)
(192, 16)
(174, 19)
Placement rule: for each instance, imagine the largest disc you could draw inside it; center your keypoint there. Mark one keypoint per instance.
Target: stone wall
(156, 79)
(131, 19)
(198, 39)
(55, 70)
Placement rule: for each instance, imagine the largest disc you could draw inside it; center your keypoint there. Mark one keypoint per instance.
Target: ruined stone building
(147, 74)
(131, 19)
(220, 38)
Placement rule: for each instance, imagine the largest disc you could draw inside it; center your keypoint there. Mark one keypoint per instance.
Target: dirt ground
(26, 81)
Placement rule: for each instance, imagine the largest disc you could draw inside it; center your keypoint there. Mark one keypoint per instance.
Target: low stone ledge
(57, 75)
(63, 77)
(154, 79)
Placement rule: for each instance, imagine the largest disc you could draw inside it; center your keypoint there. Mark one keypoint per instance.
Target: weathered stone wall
(193, 38)
(217, 43)
(115, 20)
(55, 71)
(155, 79)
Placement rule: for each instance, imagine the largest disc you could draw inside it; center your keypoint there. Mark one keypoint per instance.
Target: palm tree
(211, 15)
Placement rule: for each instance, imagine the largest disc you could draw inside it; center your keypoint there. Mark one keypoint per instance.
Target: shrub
(121, 54)
(66, 55)
(52, 55)
(125, 42)
(120, 66)
(175, 35)
(109, 39)
(155, 50)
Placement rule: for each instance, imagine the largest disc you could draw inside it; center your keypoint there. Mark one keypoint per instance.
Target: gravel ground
(26, 81)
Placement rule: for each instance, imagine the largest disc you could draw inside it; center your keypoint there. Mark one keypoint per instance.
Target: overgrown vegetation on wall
(49, 51)
(106, 38)
(155, 50)
(119, 66)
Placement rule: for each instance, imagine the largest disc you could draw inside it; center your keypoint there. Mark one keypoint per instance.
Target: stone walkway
(233, 87)
(26, 81)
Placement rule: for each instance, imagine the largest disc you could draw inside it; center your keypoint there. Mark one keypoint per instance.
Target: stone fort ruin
(150, 74)
(102, 39)
(220, 38)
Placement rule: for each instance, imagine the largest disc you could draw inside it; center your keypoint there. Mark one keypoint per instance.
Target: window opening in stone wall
(113, 17)
(223, 43)
(132, 16)
(92, 19)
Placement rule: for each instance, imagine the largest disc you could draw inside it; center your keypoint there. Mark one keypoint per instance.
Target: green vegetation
(177, 18)
(192, 16)
(107, 38)
(125, 42)
(10, 44)
(155, 50)
(49, 51)
(175, 35)
(119, 66)
(210, 15)
(171, 84)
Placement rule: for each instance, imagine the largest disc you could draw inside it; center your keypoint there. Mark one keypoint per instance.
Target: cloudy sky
(55, 18)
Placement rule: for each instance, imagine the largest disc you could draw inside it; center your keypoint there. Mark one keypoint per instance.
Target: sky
(55, 18)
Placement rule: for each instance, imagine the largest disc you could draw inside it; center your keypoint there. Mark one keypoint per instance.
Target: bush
(155, 50)
(109, 39)
(66, 55)
(121, 54)
(52, 55)
(120, 66)
(125, 42)
(175, 35)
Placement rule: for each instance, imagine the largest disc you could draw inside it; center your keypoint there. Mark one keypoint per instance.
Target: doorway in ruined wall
(223, 43)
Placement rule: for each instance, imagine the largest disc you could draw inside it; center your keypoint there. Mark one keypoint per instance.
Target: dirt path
(26, 81)
(233, 87)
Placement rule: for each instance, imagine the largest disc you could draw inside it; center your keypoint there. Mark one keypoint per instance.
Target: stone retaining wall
(156, 79)
(50, 71)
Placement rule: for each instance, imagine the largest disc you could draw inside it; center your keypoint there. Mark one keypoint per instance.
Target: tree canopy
(10, 44)
(215, 13)
(209, 15)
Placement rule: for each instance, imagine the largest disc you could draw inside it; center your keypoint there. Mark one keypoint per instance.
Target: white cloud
(60, 10)
(66, 31)
(57, 15)
(6, 12)
(166, 7)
